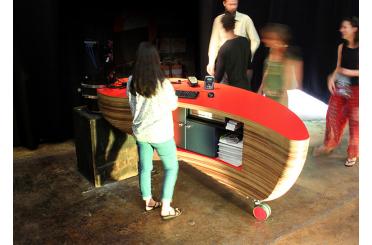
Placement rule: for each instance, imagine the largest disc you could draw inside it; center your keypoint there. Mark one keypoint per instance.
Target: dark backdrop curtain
(38, 88)
(48, 56)
(314, 24)
(48, 49)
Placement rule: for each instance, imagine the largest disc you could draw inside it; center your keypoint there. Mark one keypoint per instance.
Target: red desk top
(239, 102)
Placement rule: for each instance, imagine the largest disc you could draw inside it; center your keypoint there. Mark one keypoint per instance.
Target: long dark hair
(147, 71)
(354, 22)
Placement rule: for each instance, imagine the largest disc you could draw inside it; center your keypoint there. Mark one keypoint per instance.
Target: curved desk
(275, 140)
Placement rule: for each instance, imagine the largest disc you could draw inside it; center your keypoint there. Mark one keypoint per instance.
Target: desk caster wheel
(261, 211)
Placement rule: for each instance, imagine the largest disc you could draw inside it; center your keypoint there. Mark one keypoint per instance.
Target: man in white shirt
(243, 27)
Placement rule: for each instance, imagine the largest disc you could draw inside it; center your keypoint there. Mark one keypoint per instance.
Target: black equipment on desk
(187, 94)
(97, 71)
(89, 94)
(209, 82)
(193, 81)
(176, 82)
(117, 86)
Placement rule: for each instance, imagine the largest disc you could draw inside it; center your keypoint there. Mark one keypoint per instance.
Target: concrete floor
(54, 204)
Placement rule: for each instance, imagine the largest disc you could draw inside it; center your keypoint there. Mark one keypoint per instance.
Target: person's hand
(331, 84)
(260, 92)
(210, 70)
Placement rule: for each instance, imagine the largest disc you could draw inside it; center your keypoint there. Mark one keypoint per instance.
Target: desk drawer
(202, 137)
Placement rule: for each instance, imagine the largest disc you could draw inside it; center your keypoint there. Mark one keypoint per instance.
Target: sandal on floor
(156, 205)
(321, 150)
(350, 162)
(177, 212)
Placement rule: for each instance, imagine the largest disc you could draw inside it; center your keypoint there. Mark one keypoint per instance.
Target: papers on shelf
(234, 161)
(231, 152)
(230, 149)
(231, 140)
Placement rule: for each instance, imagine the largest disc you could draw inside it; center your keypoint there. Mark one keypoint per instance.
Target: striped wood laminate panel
(271, 162)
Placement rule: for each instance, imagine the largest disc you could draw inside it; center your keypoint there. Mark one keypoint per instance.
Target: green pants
(167, 153)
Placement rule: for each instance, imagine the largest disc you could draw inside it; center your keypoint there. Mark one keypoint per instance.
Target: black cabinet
(104, 153)
(196, 134)
(202, 137)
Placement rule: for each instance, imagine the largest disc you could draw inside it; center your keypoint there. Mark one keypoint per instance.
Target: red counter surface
(240, 103)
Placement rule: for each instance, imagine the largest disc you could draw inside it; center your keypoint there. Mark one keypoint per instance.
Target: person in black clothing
(234, 57)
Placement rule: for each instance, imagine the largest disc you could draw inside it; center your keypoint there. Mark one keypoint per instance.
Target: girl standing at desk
(152, 100)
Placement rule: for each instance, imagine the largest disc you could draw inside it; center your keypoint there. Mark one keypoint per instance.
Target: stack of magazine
(230, 149)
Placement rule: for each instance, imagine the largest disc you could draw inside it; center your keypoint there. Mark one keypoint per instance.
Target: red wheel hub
(260, 213)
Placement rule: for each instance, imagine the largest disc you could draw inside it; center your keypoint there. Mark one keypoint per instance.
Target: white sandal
(156, 205)
(177, 212)
(350, 162)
